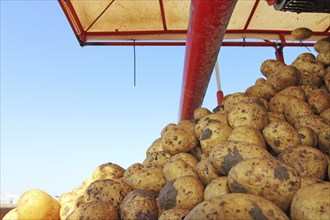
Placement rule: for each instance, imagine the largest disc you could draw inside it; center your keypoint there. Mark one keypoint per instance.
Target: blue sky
(67, 109)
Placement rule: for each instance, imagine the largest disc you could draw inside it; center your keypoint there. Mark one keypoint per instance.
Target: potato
(233, 99)
(306, 180)
(217, 187)
(37, 204)
(269, 67)
(173, 214)
(98, 210)
(311, 79)
(324, 140)
(236, 206)
(198, 153)
(326, 114)
(280, 135)
(326, 79)
(210, 119)
(301, 33)
(156, 146)
(214, 134)
(276, 104)
(260, 81)
(265, 91)
(324, 58)
(174, 169)
(247, 134)
(205, 171)
(157, 158)
(315, 68)
(188, 125)
(184, 193)
(226, 155)
(107, 190)
(178, 140)
(131, 170)
(304, 57)
(308, 161)
(201, 112)
(307, 136)
(83, 186)
(308, 89)
(276, 116)
(294, 91)
(295, 107)
(139, 204)
(188, 158)
(67, 202)
(108, 171)
(168, 127)
(248, 114)
(271, 179)
(11, 215)
(319, 100)
(323, 45)
(311, 202)
(315, 122)
(285, 76)
(148, 178)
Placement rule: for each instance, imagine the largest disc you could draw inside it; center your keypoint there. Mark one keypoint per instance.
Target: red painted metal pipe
(208, 22)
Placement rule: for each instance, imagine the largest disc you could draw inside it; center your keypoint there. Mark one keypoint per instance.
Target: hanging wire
(134, 55)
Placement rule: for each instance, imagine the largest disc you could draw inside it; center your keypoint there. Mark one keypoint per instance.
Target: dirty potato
(187, 157)
(201, 112)
(271, 179)
(295, 107)
(107, 190)
(98, 210)
(319, 100)
(269, 67)
(311, 202)
(247, 134)
(217, 187)
(284, 77)
(148, 178)
(326, 114)
(276, 116)
(294, 91)
(184, 193)
(214, 134)
(280, 135)
(177, 140)
(315, 122)
(139, 204)
(236, 206)
(210, 119)
(308, 161)
(265, 91)
(108, 171)
(307, 136)
(156, 146)
(173, 214)
(226, 155)
(248, 114)
(323, 45)
(157, 158)
(174, 169)
(131, 170)
(324, 141)
(205, 171)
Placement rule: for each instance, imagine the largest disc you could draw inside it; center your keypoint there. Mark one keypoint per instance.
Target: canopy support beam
(208, 22)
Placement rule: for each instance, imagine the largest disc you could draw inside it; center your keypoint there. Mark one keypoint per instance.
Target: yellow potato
(284, 77)
(36, 204)
(157, 158)
(295, 107)
(217, 187)
(247, 134)
(210, 119)
(205, 171)
(96, 210)
(269, 67)
(201, 112)
(271, 179)
(173, 214)
(177, 168)
(307, 136)
(108, 171)
(301, 33)
(11, 215)
(156, 146)
(187, 157)
(311, 202)
(294, 91)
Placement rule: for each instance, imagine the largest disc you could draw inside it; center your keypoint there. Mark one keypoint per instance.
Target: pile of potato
(261, 154)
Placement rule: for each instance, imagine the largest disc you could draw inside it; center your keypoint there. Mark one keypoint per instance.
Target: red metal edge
(208, 22)
(77, 29)
(162, 12)
(224, 44)
(251, 14)
(97, 18)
